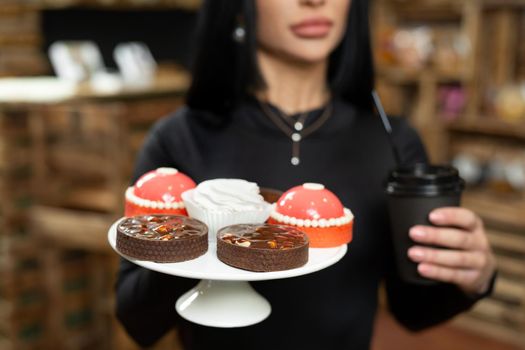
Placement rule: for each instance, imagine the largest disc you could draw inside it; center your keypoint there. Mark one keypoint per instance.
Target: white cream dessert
(224, 202)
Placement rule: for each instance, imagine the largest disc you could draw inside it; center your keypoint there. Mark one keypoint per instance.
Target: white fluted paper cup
(217, 219)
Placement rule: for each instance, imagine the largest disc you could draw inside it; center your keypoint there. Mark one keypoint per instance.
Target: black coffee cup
(413, 192)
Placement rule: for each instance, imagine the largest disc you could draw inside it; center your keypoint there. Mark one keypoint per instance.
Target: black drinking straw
(387, 126)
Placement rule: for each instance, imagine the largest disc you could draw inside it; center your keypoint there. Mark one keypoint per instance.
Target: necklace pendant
(295, 161)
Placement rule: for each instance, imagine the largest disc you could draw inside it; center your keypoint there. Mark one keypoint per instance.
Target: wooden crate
(146, 112)
(82, 122)
(79, 156)
(188, 5)
(491, 28)
(73, 278)
(21, 22)
(20, 40)
(75, 158)
(15, 146)
(80, 165)
(23, 303)
(71, 228)
(503, 314)
(27, 332)
(23, 61)
(13, 119)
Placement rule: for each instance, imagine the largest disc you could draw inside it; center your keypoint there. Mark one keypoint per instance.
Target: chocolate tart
(162, 238)
(262, 247)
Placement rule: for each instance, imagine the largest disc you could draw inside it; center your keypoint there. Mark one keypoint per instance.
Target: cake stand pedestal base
(224, 298)
(224, 304)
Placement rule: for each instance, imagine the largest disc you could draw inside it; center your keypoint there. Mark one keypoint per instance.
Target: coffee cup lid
(424, 180)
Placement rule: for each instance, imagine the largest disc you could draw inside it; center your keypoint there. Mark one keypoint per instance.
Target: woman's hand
(468, 262)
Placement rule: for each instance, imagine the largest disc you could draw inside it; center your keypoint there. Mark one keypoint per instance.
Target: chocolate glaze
(162, 238)
(264, 236)
(162, 227)
(262, 247)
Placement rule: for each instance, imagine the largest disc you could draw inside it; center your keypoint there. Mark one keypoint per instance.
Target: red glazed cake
(316, 211)
(262, 247)
(158, 192)
(162, 238)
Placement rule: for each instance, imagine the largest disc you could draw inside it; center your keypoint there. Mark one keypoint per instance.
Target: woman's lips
(312, 28)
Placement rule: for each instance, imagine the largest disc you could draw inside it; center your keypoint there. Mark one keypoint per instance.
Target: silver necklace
(296, 130)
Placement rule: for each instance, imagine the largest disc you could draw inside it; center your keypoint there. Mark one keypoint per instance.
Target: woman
(266, 70)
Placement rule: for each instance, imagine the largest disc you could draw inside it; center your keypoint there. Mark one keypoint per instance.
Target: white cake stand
(223, 297)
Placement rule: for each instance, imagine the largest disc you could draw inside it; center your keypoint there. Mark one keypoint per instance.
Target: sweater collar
(249, 114)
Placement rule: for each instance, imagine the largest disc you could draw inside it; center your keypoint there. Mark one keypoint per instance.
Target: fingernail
(416, 253)
(417, 233)
(424, 269)
(436, 216)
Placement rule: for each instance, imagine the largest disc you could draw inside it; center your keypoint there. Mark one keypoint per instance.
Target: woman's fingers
(447, 237)
(447, 274)
(455, 217)
(448, 258)
(468, 262)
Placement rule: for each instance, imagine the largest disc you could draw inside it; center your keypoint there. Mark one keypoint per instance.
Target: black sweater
(330, 309)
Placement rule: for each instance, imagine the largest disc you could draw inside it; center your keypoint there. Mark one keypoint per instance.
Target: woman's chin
(310, 59)
(303, 52)
(305, 57)
(310, 52)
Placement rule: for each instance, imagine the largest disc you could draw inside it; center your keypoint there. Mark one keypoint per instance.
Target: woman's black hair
(225, 71)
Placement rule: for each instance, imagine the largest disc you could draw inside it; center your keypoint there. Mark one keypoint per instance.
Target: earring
(239, 33)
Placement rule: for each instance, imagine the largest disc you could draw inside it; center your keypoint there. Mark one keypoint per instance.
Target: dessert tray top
(209, 267)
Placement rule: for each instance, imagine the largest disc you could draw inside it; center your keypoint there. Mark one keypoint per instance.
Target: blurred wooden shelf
(511, 292)
(98, 199)
(186, 5)
(503, 3)
(490, 127)
(503, 314)
(73, 155)
(20, 40)
(497, 209)
(443, 9)
(12, 8)
(72, 228)
(404, 76)
(491, 308)
(510, 266)
(427, 9)
(170, 85)
(72, 161)
(508, 241)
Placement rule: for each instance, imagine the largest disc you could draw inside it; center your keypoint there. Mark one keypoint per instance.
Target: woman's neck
(292, 86)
